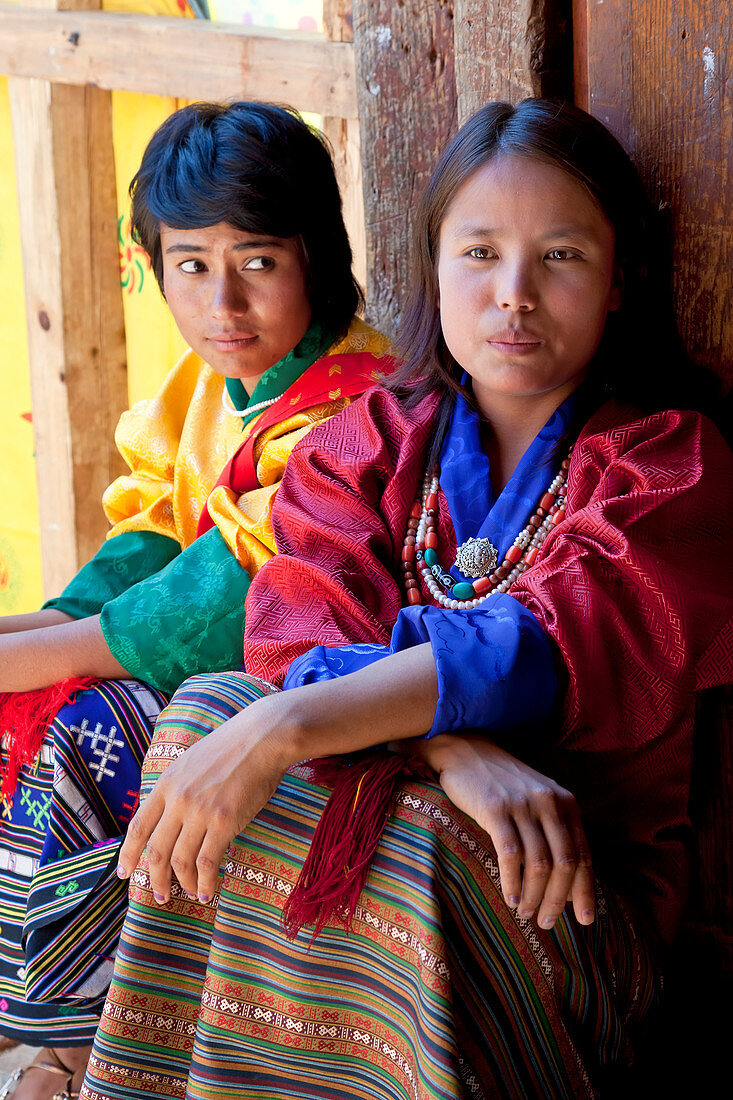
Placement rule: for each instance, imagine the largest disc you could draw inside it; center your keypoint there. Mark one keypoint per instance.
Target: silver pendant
(476, 557)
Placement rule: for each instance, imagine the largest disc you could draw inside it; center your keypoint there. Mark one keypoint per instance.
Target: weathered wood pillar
(659, 76)
(68, 217)
(343, 134)
(511, 49)
(407, 112)
(412, 97)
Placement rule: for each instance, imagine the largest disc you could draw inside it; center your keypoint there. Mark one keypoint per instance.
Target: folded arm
(213, 791)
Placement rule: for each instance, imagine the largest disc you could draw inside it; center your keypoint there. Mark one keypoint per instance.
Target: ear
(616, 296)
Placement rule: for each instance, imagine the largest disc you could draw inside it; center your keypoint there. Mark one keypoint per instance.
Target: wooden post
(406, 94)
(511, 49)
(343, 134)
(68, 217)
(658, 75)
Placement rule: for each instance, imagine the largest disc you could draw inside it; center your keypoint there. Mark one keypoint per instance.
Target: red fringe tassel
(24, 719)
(346, 837)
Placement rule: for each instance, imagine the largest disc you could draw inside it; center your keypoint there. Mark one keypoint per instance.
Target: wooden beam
(343, 134)
(407, 112)
(511, 49)
(659, 76)
(166, 56)
(604, 64)
(68, 218)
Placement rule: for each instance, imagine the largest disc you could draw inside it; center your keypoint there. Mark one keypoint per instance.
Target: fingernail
(514, 901)
(587, 916)
(121, 872)
(547, 922)
(160, 898)
(204, 899)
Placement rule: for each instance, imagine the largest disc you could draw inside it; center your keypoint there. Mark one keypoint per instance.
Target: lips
(514, 342)
(514, 336)
(232, 339)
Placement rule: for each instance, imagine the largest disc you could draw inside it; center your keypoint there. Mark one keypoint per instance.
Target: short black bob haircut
(259, 168)
(640, 358)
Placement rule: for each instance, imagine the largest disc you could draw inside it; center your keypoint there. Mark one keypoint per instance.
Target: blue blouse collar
(466, 482)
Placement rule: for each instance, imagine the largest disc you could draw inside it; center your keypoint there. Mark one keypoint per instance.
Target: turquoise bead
(431, 557)
(463, 591)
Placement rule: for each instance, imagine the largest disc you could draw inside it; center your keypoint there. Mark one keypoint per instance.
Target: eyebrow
(473, 229)
(241, 246)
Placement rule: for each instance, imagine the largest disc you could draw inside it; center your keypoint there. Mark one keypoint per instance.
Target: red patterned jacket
(634, 588)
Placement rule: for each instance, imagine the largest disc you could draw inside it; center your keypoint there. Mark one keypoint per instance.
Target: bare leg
(54, 1070)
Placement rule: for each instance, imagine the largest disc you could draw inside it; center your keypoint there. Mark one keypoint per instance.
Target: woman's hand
(206, 798)
(534, 824)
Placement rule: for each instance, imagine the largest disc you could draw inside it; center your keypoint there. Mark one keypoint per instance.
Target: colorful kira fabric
(439, 991)
(75, 795)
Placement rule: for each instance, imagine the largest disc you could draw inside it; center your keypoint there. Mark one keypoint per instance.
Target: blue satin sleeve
(495, 664)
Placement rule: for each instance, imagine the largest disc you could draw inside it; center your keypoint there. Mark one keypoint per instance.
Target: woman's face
(238, 298)
(526, 277)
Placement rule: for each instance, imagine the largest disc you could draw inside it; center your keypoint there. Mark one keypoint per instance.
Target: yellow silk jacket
(177, 444)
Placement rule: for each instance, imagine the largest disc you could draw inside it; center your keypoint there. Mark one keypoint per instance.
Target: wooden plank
(661, 77)
(68, 216)
(511, 49)
(407, 112)
(31, 108)
(165, 56)
(343, 134)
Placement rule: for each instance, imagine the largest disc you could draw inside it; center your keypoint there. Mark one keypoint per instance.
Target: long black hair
(259, 168)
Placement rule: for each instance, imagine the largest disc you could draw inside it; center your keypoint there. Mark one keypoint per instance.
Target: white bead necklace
(227, 405)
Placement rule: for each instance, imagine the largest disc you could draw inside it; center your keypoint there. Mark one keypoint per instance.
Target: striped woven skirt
(81, 790)
(438, 989)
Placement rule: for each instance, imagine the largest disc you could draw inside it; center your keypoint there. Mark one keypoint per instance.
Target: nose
(516, 289)
(228, 297)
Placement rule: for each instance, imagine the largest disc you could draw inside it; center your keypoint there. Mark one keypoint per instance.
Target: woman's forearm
(390, 700)
(37, 658)
(220, 783)
(33, 620)
(213, 790)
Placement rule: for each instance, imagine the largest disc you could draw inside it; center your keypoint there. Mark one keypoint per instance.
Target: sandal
(57, 1067)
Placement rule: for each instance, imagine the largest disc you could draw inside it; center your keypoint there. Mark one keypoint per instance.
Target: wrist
(282, 728)
(442, 751)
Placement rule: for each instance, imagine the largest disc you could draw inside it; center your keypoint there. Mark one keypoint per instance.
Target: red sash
(328, 379)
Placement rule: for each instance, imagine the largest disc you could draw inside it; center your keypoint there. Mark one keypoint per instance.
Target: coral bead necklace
(476, 558)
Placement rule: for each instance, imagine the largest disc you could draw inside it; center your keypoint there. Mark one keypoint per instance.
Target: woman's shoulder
(175, 392)
(618, 429)
(374, 442)
(672, 449)
(189, 381)
(361, 337)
